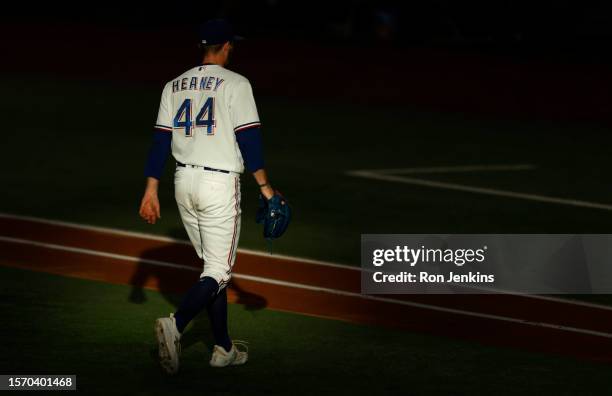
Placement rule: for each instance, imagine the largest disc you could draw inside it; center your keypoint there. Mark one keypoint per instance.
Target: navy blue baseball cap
(217, 31)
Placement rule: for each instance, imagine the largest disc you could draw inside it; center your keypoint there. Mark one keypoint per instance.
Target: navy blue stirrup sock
(198, 297)
(217, 314)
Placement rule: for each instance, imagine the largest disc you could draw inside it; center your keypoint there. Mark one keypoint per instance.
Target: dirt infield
(307, 287)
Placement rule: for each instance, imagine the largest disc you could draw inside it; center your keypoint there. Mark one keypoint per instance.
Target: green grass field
(53, 324)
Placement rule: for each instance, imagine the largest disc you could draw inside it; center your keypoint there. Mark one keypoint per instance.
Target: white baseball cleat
(169, 342)
(235, 357)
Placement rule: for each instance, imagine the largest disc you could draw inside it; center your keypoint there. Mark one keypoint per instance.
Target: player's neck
(213, 60)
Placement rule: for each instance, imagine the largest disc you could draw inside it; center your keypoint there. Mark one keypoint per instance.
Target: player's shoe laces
(235, 357)
(169, 342)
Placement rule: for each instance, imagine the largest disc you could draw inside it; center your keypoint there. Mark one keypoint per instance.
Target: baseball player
(208, 119)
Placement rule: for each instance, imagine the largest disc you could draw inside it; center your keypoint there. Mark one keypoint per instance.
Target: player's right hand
(149, 208)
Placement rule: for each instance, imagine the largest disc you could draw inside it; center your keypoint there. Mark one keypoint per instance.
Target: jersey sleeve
(242, 108)
(164, 116)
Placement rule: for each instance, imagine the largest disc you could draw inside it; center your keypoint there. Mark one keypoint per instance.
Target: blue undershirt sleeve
(251, 148)
(158, 154)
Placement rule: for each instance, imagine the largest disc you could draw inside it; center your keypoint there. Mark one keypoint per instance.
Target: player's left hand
(149, 207)
(274, 214)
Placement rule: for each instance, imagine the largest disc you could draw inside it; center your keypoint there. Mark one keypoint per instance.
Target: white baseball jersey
(204, 108)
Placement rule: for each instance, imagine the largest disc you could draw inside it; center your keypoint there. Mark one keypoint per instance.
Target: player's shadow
(172, 282)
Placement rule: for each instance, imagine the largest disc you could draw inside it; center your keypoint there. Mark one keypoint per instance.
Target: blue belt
(203, 167)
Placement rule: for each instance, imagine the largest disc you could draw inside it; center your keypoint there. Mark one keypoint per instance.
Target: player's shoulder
(234, 77)
(186, 74)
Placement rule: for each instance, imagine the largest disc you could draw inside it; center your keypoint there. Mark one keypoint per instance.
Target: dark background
(543, 59)
(539, 27)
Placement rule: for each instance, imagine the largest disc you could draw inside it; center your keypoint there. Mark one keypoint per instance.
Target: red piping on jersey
(163, 128)
(247, 126)
(231, 253)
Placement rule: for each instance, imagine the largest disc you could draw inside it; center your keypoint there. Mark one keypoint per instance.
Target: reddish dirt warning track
(307, 287)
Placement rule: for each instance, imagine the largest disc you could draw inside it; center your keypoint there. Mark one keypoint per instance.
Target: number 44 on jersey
(204, 119)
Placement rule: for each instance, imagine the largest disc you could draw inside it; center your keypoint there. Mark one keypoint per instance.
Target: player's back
(204, 108)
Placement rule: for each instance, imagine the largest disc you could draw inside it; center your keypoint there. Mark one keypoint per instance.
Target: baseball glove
(274, 214)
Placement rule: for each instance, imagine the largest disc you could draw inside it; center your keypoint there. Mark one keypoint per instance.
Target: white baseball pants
(209, 204)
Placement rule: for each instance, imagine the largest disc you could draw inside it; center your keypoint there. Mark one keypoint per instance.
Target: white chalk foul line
(457, 169)
(374, 175)
(311, 288)
(142, 235)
